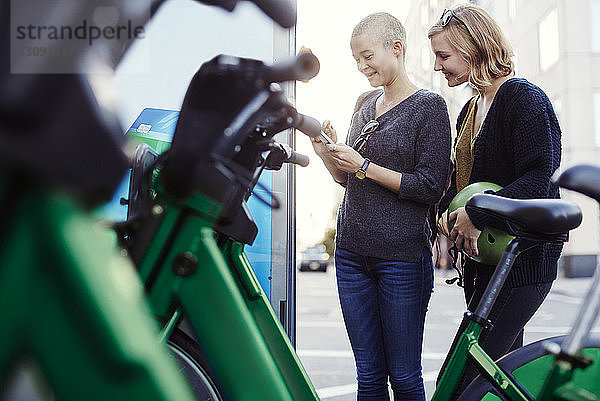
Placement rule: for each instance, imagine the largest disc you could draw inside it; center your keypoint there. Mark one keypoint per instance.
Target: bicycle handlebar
(281, 11)
(308, 125)
(298, 158)
(301, 67)
(225, 102)
(281, 153)
(585, 179)
(270, 103)
(582, 178)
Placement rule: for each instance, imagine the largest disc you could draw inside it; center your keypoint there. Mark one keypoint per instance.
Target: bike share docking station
(272, 254)
(155, 127)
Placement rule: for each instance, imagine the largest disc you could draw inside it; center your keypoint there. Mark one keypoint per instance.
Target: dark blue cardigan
(518, 148)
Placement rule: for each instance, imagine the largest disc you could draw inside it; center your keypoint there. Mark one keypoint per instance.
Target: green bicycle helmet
(491, 242)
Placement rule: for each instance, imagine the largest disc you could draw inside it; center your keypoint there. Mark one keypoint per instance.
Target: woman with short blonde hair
(507, 134)
(393, 165)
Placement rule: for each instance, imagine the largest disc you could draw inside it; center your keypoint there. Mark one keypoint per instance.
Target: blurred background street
(324, 349)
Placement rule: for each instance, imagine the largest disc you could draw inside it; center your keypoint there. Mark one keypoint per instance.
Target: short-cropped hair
(382, 26)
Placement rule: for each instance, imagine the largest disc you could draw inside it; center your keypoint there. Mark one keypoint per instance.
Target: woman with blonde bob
(508, 134)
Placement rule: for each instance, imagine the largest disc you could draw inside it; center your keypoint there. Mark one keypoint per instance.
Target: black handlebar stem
(281, 11)
(230, 113)
(225, 101)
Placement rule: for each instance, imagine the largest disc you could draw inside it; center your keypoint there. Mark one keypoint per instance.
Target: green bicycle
(75, 315)
(188, 223)
(559, 368)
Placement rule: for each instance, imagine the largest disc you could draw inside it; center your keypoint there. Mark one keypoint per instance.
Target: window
(436, 82)
(425, 15)
(557, 105)
(595, 27)
(548, 40)
(426, 62)
(596, 113)
(512, 9)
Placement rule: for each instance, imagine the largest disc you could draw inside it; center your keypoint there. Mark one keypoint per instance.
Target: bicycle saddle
(518, 216)
(583, 178)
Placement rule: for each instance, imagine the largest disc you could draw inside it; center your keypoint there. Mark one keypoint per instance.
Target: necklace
(388, 104)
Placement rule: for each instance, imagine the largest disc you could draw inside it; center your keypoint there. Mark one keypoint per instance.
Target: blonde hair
(481, 43)
(383, 26)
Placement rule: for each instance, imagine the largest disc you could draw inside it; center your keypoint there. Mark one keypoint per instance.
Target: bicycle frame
(74, 306)
(186, 273)
(531, 373)
(570, 357)
(467, 347)
(552, 372)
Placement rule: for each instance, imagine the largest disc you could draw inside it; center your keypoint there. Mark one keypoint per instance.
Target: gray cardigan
(412, 138)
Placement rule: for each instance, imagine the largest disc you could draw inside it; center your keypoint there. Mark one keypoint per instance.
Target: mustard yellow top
(464, 147)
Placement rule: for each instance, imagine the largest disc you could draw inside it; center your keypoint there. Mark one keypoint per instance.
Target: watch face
(362, 172)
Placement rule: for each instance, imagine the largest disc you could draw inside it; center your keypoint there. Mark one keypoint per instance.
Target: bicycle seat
(583, 178)
(548, 217)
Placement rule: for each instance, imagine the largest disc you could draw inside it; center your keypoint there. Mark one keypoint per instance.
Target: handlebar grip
(228, 5)
(302, 67)
(299, 159)
(308, 125)
(281, 11)
(582, 178)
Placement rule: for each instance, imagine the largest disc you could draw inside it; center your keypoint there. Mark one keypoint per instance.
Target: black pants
(512, 310)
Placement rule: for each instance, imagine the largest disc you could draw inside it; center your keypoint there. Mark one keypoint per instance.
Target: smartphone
(326, 139)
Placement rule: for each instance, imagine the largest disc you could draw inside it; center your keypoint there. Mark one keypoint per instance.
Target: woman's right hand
(442, 224)
(318, 145)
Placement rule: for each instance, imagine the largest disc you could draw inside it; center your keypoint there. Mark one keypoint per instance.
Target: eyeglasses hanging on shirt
(361, 142)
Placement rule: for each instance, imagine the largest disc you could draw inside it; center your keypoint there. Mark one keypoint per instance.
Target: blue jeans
(384, 304)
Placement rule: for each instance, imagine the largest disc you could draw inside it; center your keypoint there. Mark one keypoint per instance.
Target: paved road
(324, 349)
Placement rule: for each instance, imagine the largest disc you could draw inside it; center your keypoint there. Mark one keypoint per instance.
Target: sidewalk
(572, 287)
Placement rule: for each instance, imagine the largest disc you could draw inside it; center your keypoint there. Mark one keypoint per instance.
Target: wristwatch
(362, 172)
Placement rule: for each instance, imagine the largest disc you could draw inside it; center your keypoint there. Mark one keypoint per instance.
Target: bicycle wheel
(529, 366)
(195, 367)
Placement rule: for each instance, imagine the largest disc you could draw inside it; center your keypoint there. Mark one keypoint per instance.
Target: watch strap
(362, 171)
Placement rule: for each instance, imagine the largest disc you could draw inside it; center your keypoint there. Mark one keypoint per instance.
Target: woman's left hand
(464, 233)
(346, 158)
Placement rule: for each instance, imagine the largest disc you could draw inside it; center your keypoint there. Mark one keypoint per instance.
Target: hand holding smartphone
(326, 126)
(325, 139)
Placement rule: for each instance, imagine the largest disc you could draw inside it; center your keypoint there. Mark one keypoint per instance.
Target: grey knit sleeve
(425, 184)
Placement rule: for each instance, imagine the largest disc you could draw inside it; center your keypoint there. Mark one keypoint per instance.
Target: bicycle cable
(459, 279)
(236, 173)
